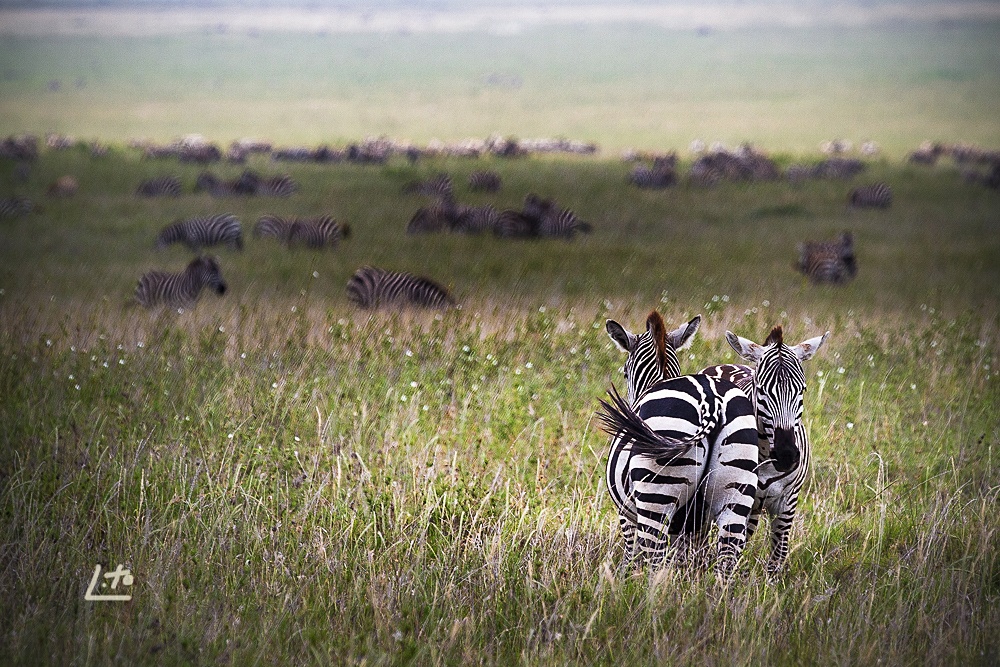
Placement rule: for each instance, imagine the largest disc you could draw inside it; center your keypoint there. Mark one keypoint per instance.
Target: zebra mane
(655, 325)
(775, 337)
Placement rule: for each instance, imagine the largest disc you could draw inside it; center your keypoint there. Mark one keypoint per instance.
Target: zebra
(64, 186)
(440, 216)
(273, 227)
(180, 289)
(775, 385)
(318, 232)
(484, 180)
(161, 186)
(439, 186)
(515, 224)
(203, 231)
(267, 186)
(655, 177)
(683, 449)
(210, 183)
(476, 219)
(15, 207)
(371, 287)
(876, 195)
(828, 261)
(562, 222)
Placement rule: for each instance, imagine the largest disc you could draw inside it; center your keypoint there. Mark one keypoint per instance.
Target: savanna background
(292, 479)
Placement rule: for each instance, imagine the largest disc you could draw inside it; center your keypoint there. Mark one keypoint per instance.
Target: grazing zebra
(775, 384)
(203, 231)
(683, 450)
(439, 186)
(161, 186)
(484, 181)
(828, 261)
(15, 207)
(371, 287)
(652, 178)
(273, 227)
(210, 183)
(180, 289)
(267, 186)
(876, 195)
(439, 216)
(476, 219)
(515, 224)
(561, 222)
(318, 232)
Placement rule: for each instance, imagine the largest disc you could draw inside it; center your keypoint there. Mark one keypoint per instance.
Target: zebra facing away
(203, 231)
(876, 195)
(180, 289)
(775, 384)
(828, 261)
(371, 287)
(683, 450)
(484, 180)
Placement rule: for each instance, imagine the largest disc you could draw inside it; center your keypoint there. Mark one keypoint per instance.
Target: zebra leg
(733, 492)
(628, 527)
(754, 518)
(781, 525)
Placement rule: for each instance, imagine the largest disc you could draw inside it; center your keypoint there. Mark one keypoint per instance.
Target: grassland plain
(620, 85)
(293, 480)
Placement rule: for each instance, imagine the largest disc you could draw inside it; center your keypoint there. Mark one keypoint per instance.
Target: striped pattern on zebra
(484, 180)
(876, 195)
(273, 227)
(161, 186)
(691, 456)
(476, 219)
(210, 183)
(14, 207)
(439, 186)
(180, 289)
(371, 287)
(828, 261)
(203, 231)
(318, 232)
(776, 384)
(439, 216)
(540, 218)
(268, 186)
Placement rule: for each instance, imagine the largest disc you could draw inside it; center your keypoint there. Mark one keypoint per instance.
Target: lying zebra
(371, 287)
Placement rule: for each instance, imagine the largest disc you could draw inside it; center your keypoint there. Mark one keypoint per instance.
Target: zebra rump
(371, 287)
(618, 418)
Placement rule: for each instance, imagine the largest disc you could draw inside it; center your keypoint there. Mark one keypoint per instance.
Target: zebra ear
(747, 349)
(620, 335)
(807, 348)
(682, 336)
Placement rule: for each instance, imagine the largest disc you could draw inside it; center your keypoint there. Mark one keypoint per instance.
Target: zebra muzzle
(784, 453)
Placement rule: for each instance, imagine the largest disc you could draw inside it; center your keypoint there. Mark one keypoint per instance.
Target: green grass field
(291, 479)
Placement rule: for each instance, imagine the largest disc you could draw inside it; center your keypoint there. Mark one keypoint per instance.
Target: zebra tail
(617, 417)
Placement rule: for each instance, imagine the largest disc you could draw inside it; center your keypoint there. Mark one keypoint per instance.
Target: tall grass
(293, 480)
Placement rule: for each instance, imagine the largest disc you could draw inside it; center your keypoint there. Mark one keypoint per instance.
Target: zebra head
(779, 385)
(652, 356)
(206, 271)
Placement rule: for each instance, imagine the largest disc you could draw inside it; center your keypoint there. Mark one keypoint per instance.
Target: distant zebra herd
(719, 447)
(538, 217)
